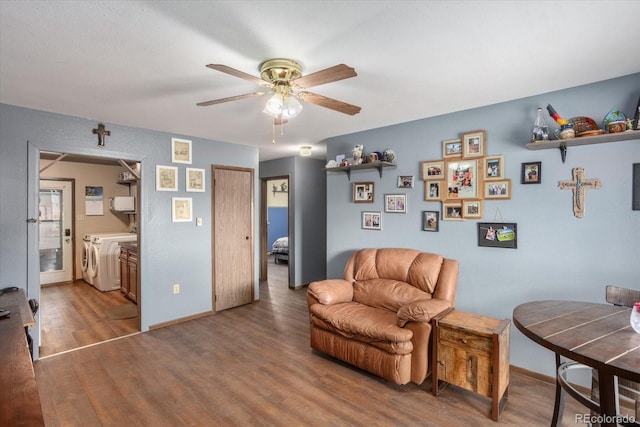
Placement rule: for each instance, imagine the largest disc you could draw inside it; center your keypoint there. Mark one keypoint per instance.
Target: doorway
(75, 313)
(233, 237)
(56, 231)
(275, 226)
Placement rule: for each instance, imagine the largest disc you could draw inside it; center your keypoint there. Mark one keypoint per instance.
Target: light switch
(198, 222)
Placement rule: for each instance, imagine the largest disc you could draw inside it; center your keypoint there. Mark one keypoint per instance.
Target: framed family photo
(474, 144)
(433, 169)
(180, 151)
(363, 192)
(434, 190)
(395, 203)
(531, 173)
(405, 181)
(452, 211)
(452, 148)
(462, 179)
(498, 235)
(166, 178)
(472, 209)
(493, 167)
(430, 220)
(371, 220)
(195, 179)
(497, 189)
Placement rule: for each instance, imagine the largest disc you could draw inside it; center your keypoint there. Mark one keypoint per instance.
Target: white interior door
(56, 234)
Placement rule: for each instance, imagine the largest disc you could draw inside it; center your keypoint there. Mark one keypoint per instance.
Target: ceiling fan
(287, 87)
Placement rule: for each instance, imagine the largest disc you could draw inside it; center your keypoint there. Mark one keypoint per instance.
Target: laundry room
(88, 214)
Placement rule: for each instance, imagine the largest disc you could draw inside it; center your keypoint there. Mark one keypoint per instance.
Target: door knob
(246, 238)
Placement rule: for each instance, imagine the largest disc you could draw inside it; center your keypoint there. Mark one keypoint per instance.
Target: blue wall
(559, 256)
(170, 252)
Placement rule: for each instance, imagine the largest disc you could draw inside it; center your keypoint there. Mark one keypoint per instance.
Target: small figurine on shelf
(540, 129)
(358, 152)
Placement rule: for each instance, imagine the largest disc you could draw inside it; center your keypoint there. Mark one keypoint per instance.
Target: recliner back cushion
(386, 293)
(420, 269)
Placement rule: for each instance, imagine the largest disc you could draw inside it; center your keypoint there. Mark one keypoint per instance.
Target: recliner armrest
(421, 310)
(331, 291)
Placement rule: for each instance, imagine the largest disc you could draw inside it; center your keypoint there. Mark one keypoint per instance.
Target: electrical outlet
(176, 288)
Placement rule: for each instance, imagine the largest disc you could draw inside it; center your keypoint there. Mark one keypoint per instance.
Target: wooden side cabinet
(472, 352)
(129, 273)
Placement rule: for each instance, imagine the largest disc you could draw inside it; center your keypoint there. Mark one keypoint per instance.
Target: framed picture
(395, 203)
(452, 148)
(462, 179)
(195, 179)
(371, 220)
(531, 173)
(472, 209)
(180, 151)
(363, 192)
(452, 211)
(405, 181)
(474, 144)
(166, 178)
(430, 220)
(497, 189)
(498, 234)
(493, 167)
(433, 191)
(433, 169)
(181, 209)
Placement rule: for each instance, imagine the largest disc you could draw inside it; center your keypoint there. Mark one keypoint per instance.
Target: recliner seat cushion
(354, 320)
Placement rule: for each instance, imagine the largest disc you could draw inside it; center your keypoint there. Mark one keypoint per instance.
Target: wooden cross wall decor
(101, 132)
(578, 185)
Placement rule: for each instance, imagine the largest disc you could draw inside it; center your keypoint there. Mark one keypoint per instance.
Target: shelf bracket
(563, 151)
(348, 172)
(379, 170)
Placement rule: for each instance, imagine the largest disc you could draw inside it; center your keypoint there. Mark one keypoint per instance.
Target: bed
(280, 250)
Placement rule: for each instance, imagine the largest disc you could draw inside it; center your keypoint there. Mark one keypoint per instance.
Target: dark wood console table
(19, 399)
(595, 335)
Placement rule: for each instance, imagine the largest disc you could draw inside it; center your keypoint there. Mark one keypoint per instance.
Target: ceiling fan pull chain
(273, 131)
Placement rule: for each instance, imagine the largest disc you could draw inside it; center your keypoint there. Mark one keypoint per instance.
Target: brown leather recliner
(378, 317)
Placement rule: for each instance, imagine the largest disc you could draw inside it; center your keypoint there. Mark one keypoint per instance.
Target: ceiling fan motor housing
(280, 70)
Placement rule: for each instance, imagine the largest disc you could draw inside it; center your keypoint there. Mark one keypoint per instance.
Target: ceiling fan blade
(330, 103)
(237, 73)
(328, 75)
(231, 98)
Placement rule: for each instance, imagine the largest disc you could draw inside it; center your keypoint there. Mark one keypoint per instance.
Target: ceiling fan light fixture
(274, 105)
(291, 107)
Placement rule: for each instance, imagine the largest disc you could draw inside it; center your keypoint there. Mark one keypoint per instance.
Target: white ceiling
(142, 63)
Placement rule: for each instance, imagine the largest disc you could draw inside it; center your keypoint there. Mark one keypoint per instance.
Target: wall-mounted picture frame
(430, 220)
(452, 211)
(497, 189)
(195, 180)
(493, 167)
(472, 209)
(432, 169)
(181, 209)
(531, 173)
(463, 179)
(498, 235)
(166, 178)
(371, 220)
(434, 191)
(474, 144)
(363, 192)
(395, 203)
(405, 181)
(452, 148)
(180, 151)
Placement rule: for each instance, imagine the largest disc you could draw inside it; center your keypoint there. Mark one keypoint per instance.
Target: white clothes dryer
(105, 260)
(86, 254)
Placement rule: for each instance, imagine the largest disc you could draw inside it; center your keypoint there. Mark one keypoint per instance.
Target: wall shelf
(563, 144)
(348, 169)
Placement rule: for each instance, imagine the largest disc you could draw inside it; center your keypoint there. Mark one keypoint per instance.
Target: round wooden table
(595, 335)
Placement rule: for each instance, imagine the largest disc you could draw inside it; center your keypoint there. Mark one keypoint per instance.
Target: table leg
(558, 406)
(607, 399)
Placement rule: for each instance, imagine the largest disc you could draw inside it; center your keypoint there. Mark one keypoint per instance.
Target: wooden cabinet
(129, 272)
(472, 352)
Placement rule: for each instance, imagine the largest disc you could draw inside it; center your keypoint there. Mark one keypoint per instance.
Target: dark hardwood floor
(252, 365)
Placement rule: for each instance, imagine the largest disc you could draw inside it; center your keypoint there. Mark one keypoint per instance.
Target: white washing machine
(104, 260)
(87, 266)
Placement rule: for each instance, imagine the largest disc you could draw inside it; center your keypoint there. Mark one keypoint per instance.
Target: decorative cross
(578, 185)
(101, 132)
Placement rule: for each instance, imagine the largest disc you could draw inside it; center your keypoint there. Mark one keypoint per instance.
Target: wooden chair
(628, 391)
